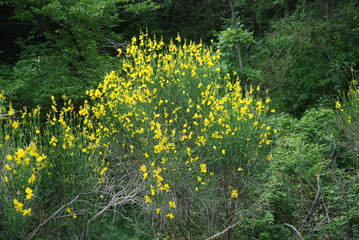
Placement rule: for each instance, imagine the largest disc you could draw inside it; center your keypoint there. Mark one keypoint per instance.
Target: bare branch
(326, 217)
(52, 216)
(223, 232)
(295, 230)
(319, 189)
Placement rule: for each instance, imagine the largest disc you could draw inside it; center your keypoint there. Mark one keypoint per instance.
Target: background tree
(306, 57)
(68, 47)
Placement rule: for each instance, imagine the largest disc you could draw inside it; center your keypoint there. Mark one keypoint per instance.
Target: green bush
(305, 188)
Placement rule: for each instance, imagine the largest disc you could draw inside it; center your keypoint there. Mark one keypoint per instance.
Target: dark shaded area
(10, 31)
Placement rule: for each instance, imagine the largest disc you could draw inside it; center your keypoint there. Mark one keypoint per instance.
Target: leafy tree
(307, 56)
(192, 19)
(70, 47)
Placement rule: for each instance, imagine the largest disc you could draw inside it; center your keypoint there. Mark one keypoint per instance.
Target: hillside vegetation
(179, 120)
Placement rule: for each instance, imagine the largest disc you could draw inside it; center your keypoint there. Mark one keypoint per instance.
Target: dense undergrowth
(171, 147)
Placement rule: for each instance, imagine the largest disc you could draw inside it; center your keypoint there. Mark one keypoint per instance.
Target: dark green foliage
(305, 188)
(192, 19)
(307, 56)
(66, 51)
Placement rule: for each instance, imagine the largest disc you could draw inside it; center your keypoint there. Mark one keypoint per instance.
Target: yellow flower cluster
(22, 169)
(34, 148)
(19, 208)
(69, 210)
(349, 104)
(177, 112)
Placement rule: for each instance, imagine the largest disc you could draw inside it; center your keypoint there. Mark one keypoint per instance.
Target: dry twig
(295, 230)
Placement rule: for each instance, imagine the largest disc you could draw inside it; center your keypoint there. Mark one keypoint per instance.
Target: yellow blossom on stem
(29, 193)
(102, 172)
(18, 205)
(147, 199)
(53, 141)
(203, 167)
(234, 193)
(26, 212)
(143, 168)
(172, 204)
(32, 178)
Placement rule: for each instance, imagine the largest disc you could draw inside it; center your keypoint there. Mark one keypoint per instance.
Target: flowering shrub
(171, 132)
(347, 119)
(51, 170)
(174, 116)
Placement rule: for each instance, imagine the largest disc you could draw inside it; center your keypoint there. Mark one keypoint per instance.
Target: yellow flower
(119, 52)
(102, 172)
(8, 167)
(26, 212)
(143, 168)
(158, 210)
(203, 167)
(40, 158)
(53, 141)
(147, 199)
(172, 204)
(32, 178)
(240, 169)
(170, 215)
(338, 105)
(15, 124)
(18, 205)
(234, 193)
(11, 110)
(29, 194)
(20, 153)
